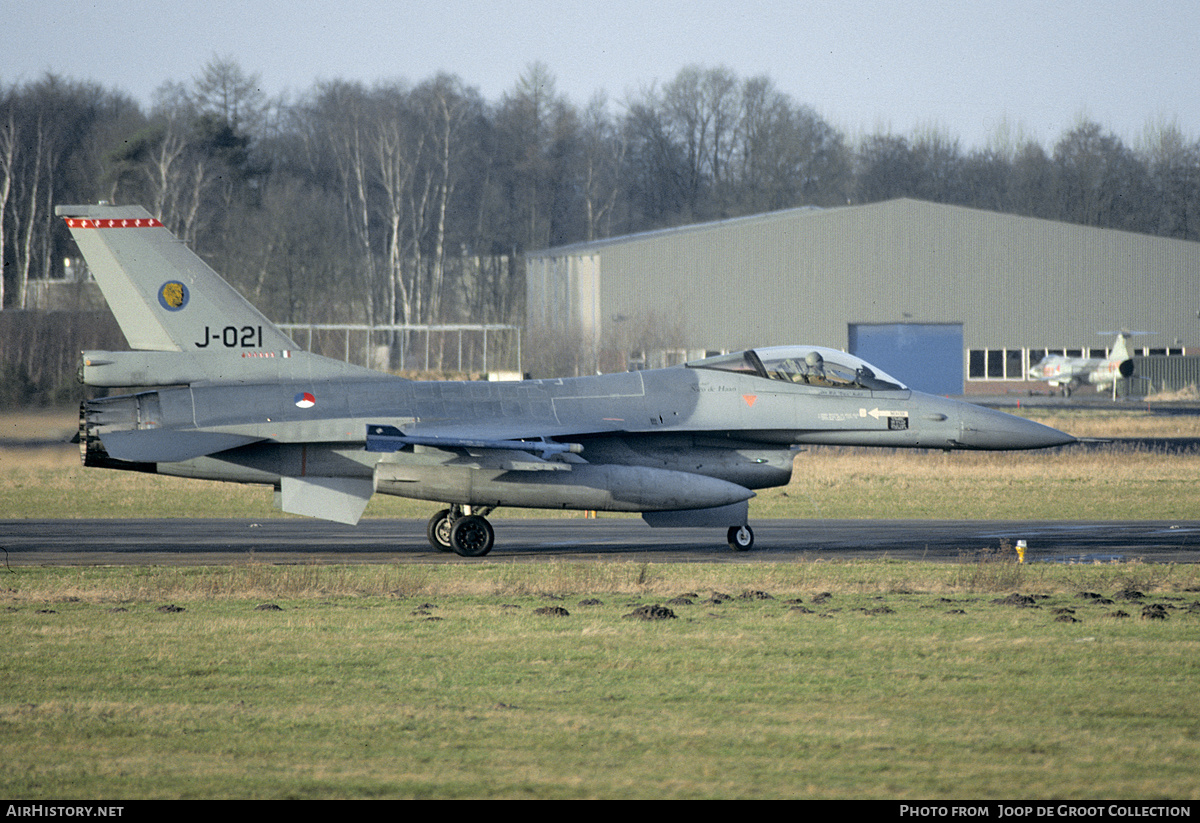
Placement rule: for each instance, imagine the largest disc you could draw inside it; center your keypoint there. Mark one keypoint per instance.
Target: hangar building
(951, 300)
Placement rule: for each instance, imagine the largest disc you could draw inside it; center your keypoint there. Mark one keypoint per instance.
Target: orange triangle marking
(749, 398)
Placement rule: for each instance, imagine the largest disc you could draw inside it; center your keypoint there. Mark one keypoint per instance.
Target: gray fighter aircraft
(228, 396)
(1068, 373)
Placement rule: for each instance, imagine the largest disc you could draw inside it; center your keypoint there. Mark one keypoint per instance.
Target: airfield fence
(465, 348)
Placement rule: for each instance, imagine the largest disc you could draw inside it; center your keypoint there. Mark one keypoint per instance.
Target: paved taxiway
(209, 542)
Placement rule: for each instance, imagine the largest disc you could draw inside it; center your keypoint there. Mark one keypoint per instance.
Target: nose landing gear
(741, 538)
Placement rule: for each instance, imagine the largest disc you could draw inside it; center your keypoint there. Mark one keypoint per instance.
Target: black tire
(741, 538)
(472, 536)
(438, 531)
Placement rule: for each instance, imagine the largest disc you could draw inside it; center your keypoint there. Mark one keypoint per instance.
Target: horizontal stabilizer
(169, 445)
(340, 499)
(381, 438)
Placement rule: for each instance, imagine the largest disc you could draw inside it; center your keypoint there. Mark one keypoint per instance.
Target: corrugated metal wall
(1158, 374)
(805, 275)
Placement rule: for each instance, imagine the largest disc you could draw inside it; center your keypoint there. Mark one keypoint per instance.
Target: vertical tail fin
(164, 297)
(1120, 358)
(1120, 347)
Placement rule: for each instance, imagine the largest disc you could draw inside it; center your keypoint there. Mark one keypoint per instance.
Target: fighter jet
(226, 395)
(1069, 373)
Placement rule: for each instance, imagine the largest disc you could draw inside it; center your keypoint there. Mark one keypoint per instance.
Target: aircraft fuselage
(734, 427)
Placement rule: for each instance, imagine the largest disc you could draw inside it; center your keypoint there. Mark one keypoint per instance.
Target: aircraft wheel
(741, 538)
(472, 536)
(438, 531)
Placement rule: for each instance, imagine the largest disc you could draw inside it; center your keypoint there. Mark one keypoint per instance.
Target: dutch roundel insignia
(305, 400)
(172, 295)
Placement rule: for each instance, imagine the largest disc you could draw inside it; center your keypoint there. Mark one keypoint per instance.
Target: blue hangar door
(927, 357)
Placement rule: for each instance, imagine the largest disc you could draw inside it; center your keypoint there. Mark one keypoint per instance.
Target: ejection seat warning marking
(750, 398)
(877, 413)
(841, 417)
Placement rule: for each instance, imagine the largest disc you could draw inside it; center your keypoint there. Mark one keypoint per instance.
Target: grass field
(979, 679)
(804, 680)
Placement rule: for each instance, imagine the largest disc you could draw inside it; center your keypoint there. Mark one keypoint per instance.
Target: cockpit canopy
(805, 365)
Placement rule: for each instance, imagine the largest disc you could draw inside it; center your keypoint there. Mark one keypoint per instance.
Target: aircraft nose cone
(987, 429)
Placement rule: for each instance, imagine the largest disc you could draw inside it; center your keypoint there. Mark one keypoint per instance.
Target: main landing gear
(462, 530)
(465, 531)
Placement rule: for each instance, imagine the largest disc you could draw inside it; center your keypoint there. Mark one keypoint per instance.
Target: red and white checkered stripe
(136, 223)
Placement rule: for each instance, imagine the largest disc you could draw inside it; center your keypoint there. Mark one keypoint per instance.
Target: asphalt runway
(288, 541)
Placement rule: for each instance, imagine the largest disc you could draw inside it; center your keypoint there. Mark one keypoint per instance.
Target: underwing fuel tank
(597, 487)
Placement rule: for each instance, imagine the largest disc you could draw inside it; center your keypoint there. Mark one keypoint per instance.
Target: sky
(969, 70)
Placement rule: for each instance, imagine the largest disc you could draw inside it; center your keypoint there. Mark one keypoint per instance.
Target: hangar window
(1038, 355)
(996, 364)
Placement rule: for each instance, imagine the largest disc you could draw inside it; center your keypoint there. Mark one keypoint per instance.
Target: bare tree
(1174, 168)
(787, 154)
(397, 144)
(449, 109)
(657, 172)
(602, 151)
(1102, 183)
(1033, 183)
(9, 142)
(166, 167)
(26, 218)
(537, 128)
(701, 106)
(338, 122)
(225, 90)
